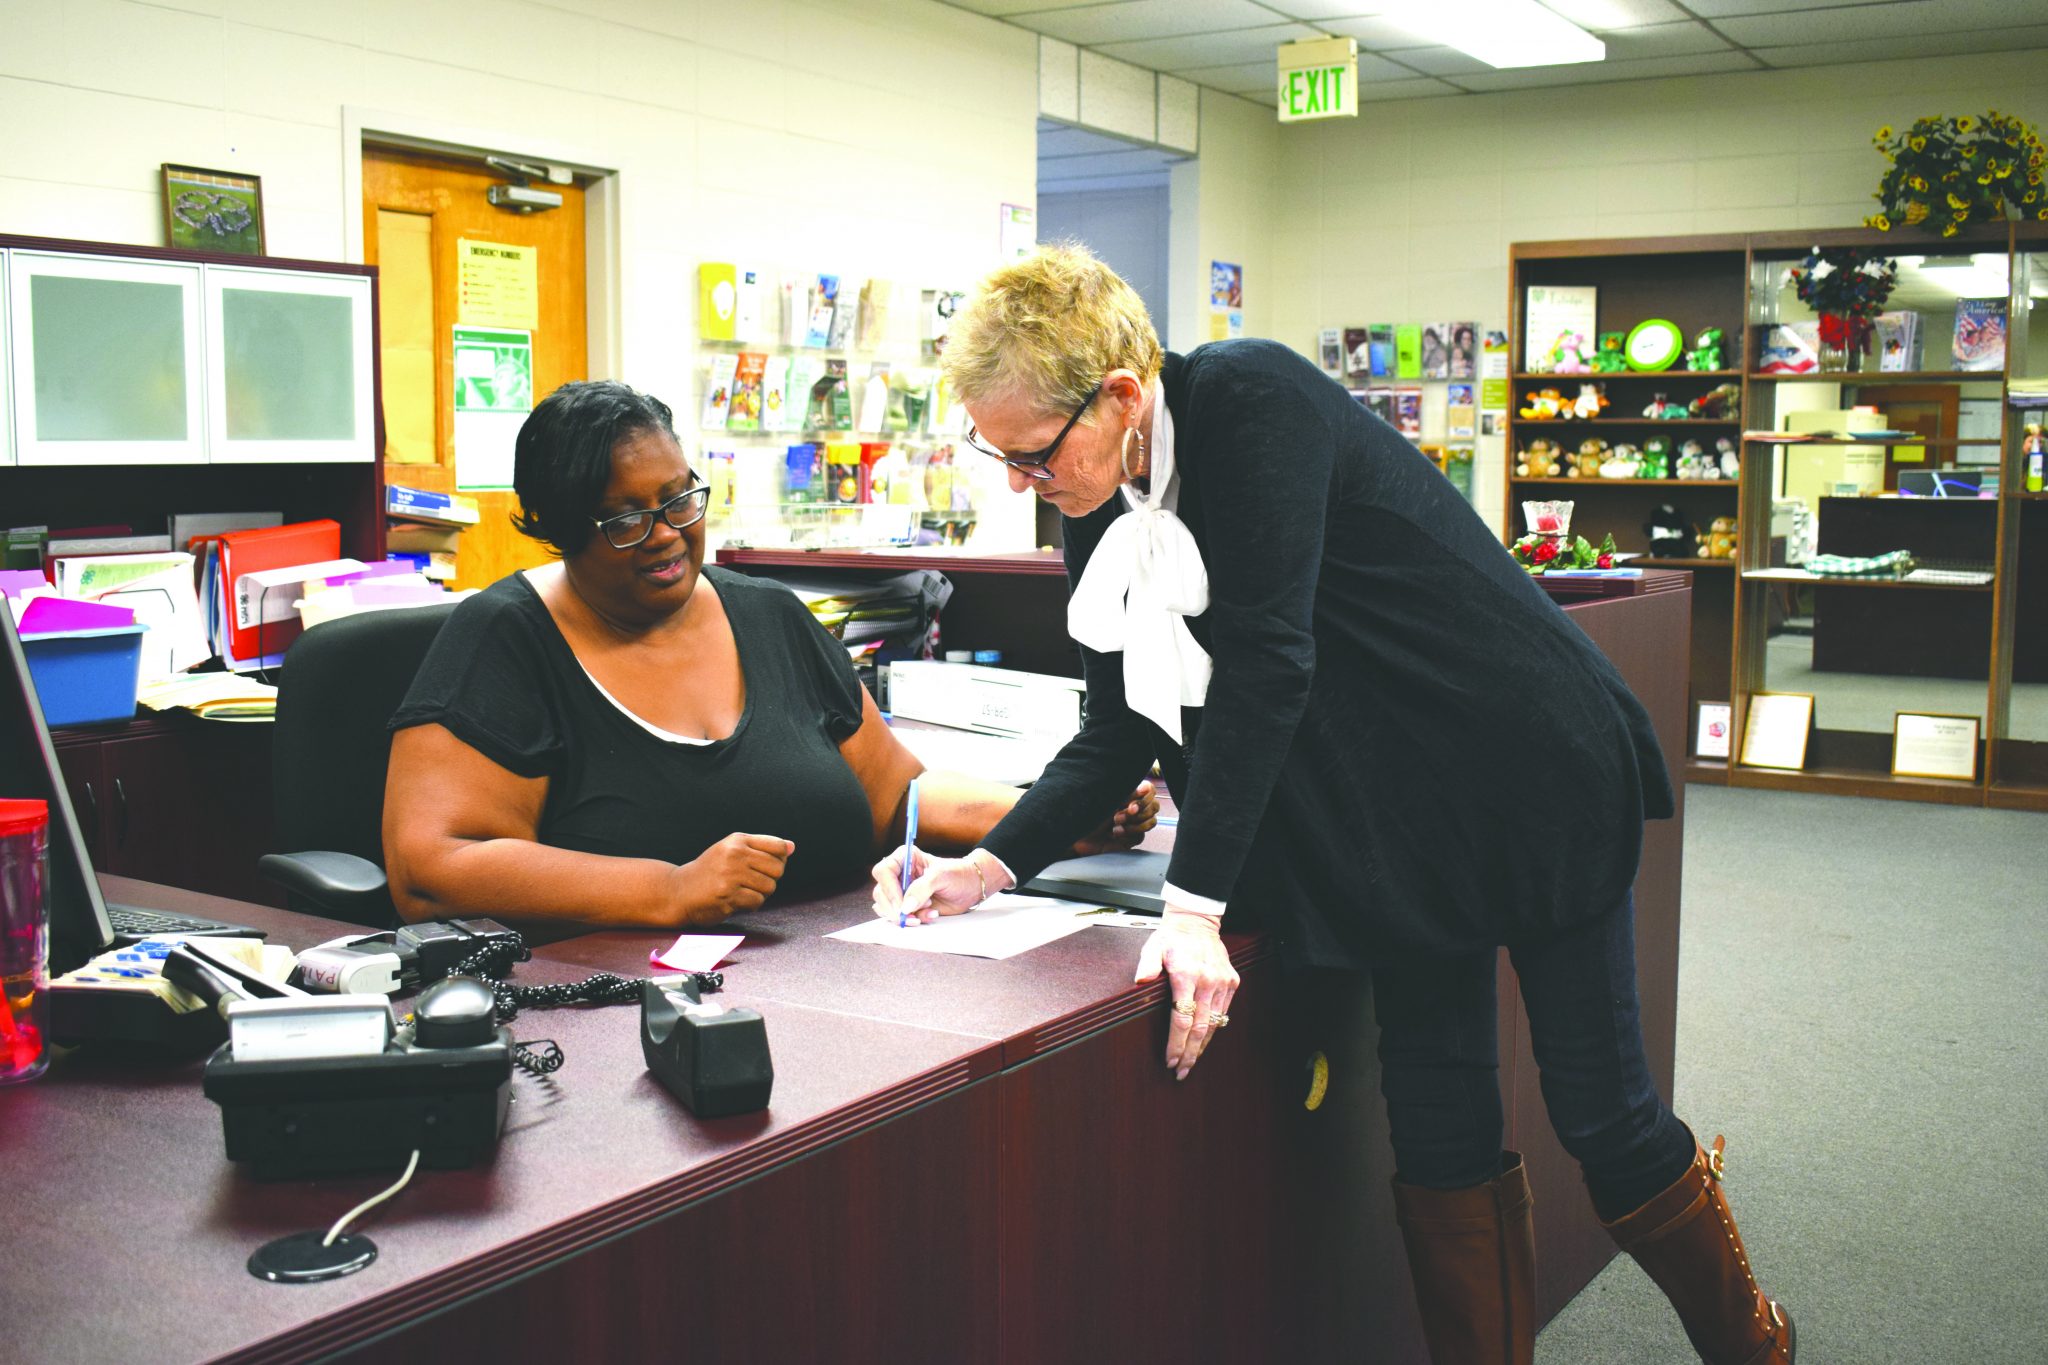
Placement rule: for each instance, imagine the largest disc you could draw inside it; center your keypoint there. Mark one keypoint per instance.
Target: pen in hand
(909, 846)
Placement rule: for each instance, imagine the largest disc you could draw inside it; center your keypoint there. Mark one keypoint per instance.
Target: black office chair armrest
(337, 884)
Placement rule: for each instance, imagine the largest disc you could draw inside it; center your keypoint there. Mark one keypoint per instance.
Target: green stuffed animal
(1610, 358)
(1706, 350)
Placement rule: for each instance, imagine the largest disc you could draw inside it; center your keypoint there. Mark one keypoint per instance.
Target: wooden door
(416, 208)
(1928, 409)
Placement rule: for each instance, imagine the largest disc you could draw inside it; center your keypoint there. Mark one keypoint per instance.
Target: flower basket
(1948, 171)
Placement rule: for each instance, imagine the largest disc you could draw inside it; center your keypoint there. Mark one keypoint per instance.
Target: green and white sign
(1318, 79)
(493, 370)
(493, 394)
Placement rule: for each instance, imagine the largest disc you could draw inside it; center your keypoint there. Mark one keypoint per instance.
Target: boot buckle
(1716, 1161)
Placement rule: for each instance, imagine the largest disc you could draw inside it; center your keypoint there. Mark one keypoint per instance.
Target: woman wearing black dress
(1280, 601)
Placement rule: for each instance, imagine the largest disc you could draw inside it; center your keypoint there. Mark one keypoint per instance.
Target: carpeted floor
(1863, 1010)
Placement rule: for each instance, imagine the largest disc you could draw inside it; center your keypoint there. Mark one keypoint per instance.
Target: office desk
(964, 1160)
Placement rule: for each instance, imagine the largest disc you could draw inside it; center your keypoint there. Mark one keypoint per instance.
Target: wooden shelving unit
(1996, 630)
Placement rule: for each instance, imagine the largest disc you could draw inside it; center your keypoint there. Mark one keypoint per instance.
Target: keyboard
(133, 922)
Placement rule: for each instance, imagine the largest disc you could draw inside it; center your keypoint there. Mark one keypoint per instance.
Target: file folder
(261, 644)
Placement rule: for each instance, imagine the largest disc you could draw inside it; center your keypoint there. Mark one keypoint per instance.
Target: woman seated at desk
(630, 738)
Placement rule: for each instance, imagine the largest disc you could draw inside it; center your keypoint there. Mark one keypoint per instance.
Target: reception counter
(963, 1160)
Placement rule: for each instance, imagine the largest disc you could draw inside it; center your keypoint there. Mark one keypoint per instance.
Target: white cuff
(1187, 900)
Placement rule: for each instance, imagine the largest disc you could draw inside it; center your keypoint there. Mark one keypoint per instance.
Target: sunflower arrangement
(1948, 171)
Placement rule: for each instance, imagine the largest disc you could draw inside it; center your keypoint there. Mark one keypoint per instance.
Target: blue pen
(909, 844)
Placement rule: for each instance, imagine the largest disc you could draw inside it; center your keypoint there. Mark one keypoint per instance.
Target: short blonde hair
(1047, 328)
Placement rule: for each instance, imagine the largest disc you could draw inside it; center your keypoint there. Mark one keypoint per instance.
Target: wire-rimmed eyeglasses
(682, 511)
(1032, 463)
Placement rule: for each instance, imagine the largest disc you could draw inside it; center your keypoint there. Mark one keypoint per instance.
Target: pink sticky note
(696, 952)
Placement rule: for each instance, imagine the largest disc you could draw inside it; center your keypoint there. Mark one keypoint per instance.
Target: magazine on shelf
(1330, 350)
(1357, 352)
(1980, 334)
(718, 390)
(1550, 313)
(744, 410)
(1379, 341)
(1407, 351)
(775, 393)
(717, 300)
(1895, 341)
(1464, 344)
(1789, 348)
(1436, 350)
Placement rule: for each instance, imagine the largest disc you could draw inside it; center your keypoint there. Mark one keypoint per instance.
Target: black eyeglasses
(682, 511)
(1033, 462)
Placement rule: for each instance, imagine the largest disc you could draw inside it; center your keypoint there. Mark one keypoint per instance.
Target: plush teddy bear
(1656, 463)
(1663, 409)
(1722, 403)
(1728, 458)
(1539, 461)
(1587, 458)
(1544, 405)
(1611, 358)
(1695, 463)
(1592, 400)
(1718, 540)
(1706, 350)
(1625, 457)
(1568, 356)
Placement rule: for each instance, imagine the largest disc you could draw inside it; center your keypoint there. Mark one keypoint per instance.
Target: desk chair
(342, 681)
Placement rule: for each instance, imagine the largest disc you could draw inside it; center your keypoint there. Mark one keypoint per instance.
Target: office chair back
(342, 681)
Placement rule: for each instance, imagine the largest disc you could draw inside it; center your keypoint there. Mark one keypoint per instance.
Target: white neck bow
(1144, 580)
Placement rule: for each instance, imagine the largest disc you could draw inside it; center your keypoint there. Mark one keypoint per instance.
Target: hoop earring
(1131, 438)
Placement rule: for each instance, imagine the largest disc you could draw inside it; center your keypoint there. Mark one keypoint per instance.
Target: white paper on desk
(1002, 926)
(158, 589)
(258, 591)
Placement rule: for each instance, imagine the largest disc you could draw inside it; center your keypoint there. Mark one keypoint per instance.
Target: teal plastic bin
(85, 676)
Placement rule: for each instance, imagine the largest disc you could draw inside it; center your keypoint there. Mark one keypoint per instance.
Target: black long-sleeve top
(1405, 743)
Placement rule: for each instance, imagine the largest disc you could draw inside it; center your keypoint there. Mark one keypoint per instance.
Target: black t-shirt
(504, 681)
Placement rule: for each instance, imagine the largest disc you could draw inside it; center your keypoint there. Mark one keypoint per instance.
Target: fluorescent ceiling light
(1980, 276)
(1502, 33)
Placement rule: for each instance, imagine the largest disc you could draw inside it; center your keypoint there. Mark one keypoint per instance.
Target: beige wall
(1223, 210)
(871, 137)
(1406, 214)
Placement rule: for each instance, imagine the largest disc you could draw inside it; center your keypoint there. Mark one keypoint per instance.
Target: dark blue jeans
(1439, 1063)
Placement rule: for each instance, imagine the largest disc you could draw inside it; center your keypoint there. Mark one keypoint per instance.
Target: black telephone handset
(456, 1011)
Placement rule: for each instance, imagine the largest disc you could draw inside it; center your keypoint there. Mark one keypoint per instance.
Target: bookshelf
(1865, 649)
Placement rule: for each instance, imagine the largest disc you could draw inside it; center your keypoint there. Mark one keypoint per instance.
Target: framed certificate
(1929, 744)
(1710, 738)
(1775, 731)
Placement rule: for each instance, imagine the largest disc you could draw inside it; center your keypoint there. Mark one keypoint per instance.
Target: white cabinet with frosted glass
(120, 361)
(289, 371)
(106, 360)
(6, 401)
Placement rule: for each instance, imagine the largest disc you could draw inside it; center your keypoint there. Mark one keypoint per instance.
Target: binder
(261, 644)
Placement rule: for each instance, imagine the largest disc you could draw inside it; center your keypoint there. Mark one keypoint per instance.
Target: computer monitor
(80, 921)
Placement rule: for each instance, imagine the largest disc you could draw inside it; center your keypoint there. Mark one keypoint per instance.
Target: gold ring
(1219, 1021)
(1186, 1007)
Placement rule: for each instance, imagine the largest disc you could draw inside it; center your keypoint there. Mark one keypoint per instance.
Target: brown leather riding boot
(1686, 1240)
(1473, 1256)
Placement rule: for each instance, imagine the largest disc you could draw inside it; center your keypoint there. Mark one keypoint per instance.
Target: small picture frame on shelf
(213, 210)
(1775, 730)
(1935, 744)
(1711, 734)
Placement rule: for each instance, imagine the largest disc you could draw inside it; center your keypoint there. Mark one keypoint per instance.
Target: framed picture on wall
(213, 210)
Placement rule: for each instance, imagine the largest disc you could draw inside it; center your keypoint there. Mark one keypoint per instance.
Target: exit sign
(1319, 79)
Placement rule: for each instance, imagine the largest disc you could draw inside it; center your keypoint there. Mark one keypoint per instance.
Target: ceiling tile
(1093, 25)
(1208, 49)
(1661, 40)
(1417, 88)
(1003, 9)
(1270, 96)
(1315, 11)
(1602, 16)
(1601, 73)
(1438, 61)
(1376, 34)
(1234, 76)
(1722, 9)
(1888, 49)
(1901, 19)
